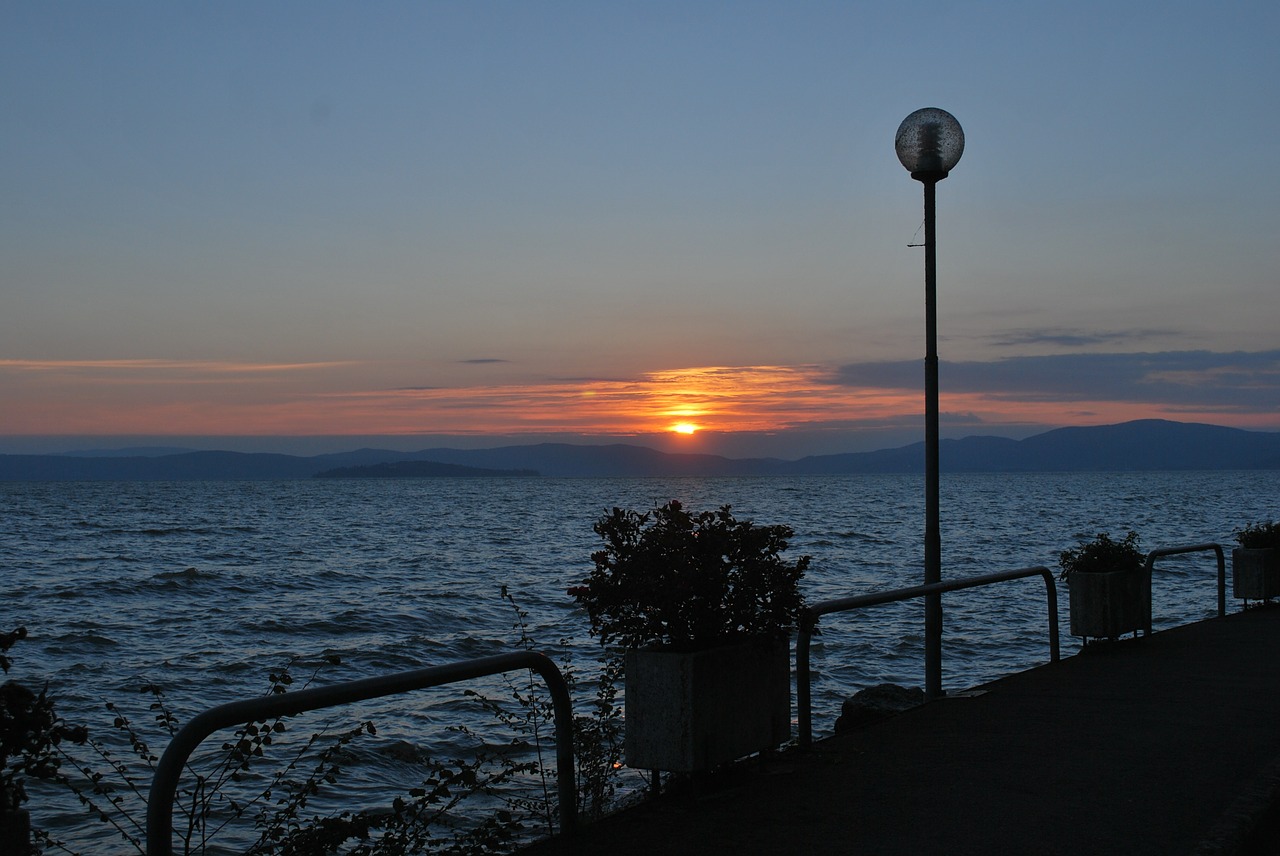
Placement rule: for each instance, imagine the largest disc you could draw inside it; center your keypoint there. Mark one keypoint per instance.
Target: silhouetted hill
(130, 452)
(618, 460)
(1145, 444)
(1151, 444)
(972, 454)
(188, 466)
(1142, 445)
(419, 470)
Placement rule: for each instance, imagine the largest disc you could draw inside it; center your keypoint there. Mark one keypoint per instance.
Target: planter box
(1255, 572)
(1109, 605)
(691, 712)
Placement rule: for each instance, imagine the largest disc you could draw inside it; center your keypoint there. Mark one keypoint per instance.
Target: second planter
(1110, 604)
(1255, 573)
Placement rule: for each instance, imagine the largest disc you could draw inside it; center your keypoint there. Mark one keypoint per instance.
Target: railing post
(562, 713)
(804, 704)
(1051, 597)
(1222, 580)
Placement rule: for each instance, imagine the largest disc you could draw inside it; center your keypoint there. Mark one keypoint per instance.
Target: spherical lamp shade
(929, 143)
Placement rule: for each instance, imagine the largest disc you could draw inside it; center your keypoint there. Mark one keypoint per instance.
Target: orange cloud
(725, 399)
(322, 398)
(178, 397)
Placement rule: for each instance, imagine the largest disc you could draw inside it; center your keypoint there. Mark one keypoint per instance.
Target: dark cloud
(1073, 338)
(1246, 382)
(482, 361)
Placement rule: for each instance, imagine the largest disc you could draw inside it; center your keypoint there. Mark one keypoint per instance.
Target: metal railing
(809, 619)
(164, 785)
(1194, 548)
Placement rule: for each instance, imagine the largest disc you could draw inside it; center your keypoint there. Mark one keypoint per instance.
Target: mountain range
(1140, 445)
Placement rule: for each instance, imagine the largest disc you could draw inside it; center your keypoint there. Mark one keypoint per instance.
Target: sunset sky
(470, 223)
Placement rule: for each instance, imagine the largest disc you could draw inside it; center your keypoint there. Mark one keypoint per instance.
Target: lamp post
(929, 144)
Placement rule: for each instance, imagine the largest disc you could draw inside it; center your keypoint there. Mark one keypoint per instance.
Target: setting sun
(684, 428)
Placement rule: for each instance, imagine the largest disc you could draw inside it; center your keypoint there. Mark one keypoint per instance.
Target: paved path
(1162, 745)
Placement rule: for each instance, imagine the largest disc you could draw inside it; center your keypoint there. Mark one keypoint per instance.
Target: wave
(188, 574)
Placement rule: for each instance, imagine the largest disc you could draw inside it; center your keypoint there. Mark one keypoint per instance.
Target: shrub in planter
(1109, 589)
(704, 604)
(1255, 564)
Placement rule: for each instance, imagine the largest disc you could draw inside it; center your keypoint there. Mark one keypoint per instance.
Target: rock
(876, 703)
(402, 750)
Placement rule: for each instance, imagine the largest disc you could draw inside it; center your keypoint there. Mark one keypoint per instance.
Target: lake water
(203, 588)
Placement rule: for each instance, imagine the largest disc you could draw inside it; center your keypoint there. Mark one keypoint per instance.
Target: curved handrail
(164, 785)
(1193, 548)
(810, 615)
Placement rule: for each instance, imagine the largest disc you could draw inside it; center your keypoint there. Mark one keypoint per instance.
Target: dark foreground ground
(1164, 745)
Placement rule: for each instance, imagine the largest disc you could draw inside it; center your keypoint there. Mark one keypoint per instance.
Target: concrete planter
(1109, 605)
(1255, 572)
(691, 712)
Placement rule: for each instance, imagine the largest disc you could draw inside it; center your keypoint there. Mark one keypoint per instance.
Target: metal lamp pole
(929, 144)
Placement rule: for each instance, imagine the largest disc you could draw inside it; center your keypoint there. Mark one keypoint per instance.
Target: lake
(204, 587)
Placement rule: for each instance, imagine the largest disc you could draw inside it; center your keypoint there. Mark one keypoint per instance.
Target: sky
(312, 226)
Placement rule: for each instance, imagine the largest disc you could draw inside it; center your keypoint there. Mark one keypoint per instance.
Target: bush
(1259, 536)
(685, 580)
(1102, 555)
(31, 733)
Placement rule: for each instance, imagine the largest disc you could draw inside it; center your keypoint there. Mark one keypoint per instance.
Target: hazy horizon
(712, 443)
(729, 446)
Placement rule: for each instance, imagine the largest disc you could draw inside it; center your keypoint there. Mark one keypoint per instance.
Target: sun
(684, 428)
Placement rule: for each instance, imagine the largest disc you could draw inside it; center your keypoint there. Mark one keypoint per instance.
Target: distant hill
(419, 470)
(130, 452)
(565, 460)
(1148, 444)
(1145, 444)
(187, 466)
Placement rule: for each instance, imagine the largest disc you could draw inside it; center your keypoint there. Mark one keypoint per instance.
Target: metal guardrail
(1194, 548)
(164, 785)
(809, 619)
